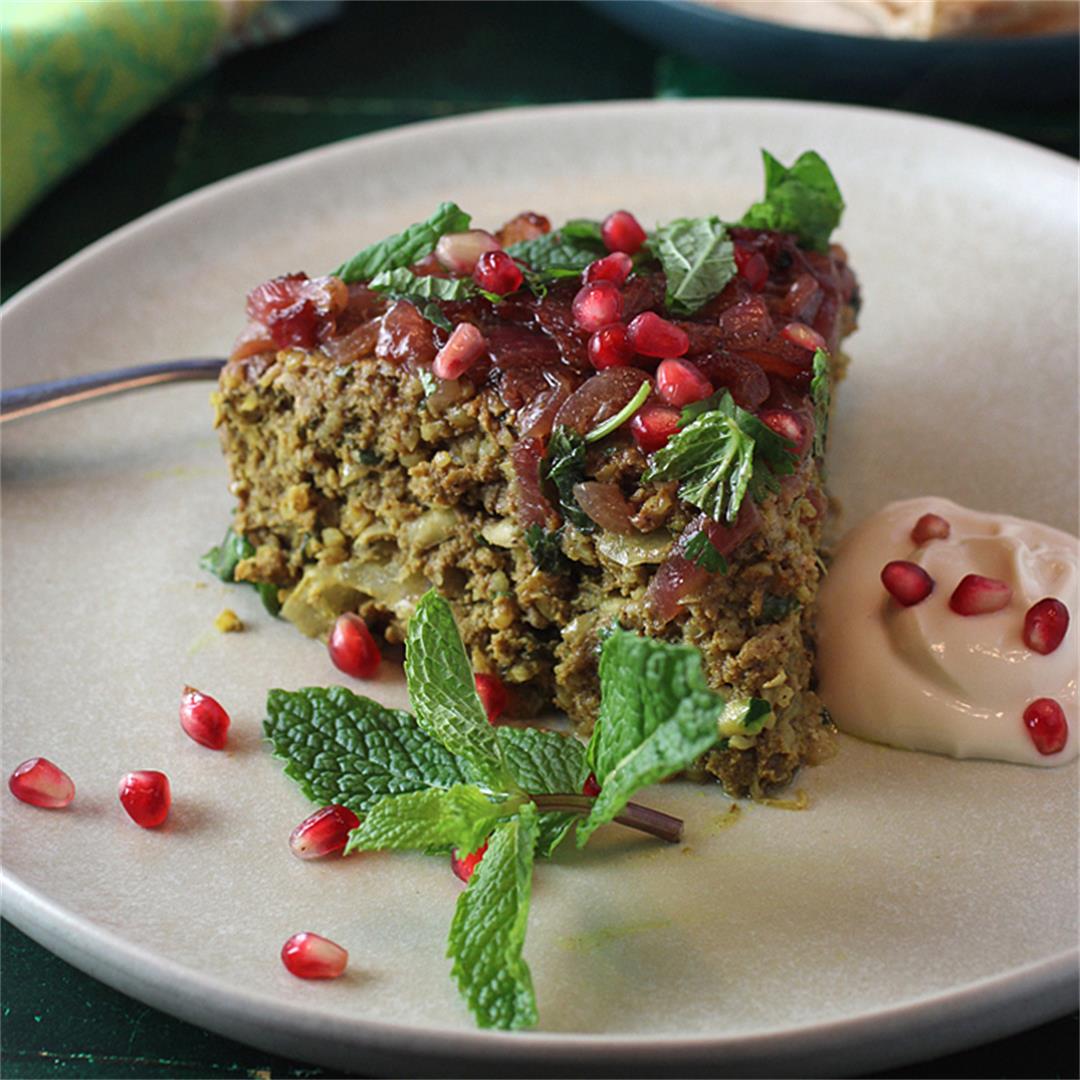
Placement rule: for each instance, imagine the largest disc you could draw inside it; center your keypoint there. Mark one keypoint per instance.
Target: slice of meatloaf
(362, 478)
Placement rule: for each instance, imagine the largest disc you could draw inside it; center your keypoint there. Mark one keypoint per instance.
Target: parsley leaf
(698, 259)
(222, 561)
(702, 552)
(722, 454)
(821, 394)
(564, 466)
(546, 549)
(803, 200)
(488, 930)
(443, 692)
(405, 248)
(657, 714)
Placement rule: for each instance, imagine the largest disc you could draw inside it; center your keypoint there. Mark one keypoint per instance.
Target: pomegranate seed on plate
(39, 782)
(907, 582)
(653, 425)
(620, 231)
(458, 252)
(464, 865)
(463, 348)
(1045, 625)
(930, 527)
(680, 383)
(615, 268)
(352, 648)
(311, 956)
(323, 833)
(978, 595)
(752, 267)
(597, 304)
(203, 719)
(493, 696)
(802, 335)
(608, 347)
(146, 797)
(1049, 730)
(591, 786)
(788, 425)
(498, 273)
(652, 336)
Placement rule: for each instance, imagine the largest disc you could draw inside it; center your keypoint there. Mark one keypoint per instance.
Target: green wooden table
(361, 74)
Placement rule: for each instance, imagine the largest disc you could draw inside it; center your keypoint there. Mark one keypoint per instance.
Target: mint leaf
(434, 314)
(405, 248)
(821, 394)
(563, 253)
(564, 466)
(460, 817)
(720, 456)
(583, 229)
(488, 930)
(346, 749)
(657, 714)
(443, 693)
(402, 283)
(222, 561)
(698, 259)
(803, 200)
(546, 550)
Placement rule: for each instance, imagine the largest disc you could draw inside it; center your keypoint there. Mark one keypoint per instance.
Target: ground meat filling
(362, 479)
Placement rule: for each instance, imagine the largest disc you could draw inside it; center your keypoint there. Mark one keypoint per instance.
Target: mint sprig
(698, 259)
(803, 199)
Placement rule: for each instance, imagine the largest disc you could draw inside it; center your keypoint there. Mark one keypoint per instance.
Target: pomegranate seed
(620, 231)
(680, 383)
(1045, 625)
(615, 268)
(145, 795)
(323, 833)
(978, 595)
(311, 956)
(788, 425)
(802, 335)
(597, 304)
(752, 267)
(203, 718)
(591, 787)
(498, 273)
(39, 782)
(464, 865)
(608, 347)
(352, 648)
(930, 527)
(652, 336)
(1047, 726)
(493, 696)
(653, 425)
(463, 348)
(907, 582)
(458, 252)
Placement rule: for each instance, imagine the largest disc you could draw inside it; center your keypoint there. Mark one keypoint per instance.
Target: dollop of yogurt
(926, 678)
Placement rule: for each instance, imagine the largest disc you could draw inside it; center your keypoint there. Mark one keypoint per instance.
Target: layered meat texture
(363, 478)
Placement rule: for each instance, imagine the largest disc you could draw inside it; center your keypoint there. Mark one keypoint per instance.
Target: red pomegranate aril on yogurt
(1045, 721)
(312, 956)
(804, 336)
(680, 383)
(1045, 625)
(615, 268)
(609, 347)
(651, 335)
(493, 696)
(146, 796)
(930, 527)
(458, 252)
(907, 582)
(597, 304)
(465, 865)
(351, 647)
(325, 832)
(978, 595)
(652, 425)
(621, 231)
(203, 719)
(498, 273)
(39, 782)
(463, 348)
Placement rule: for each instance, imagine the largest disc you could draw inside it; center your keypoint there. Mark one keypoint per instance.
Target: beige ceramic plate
(919, 905)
